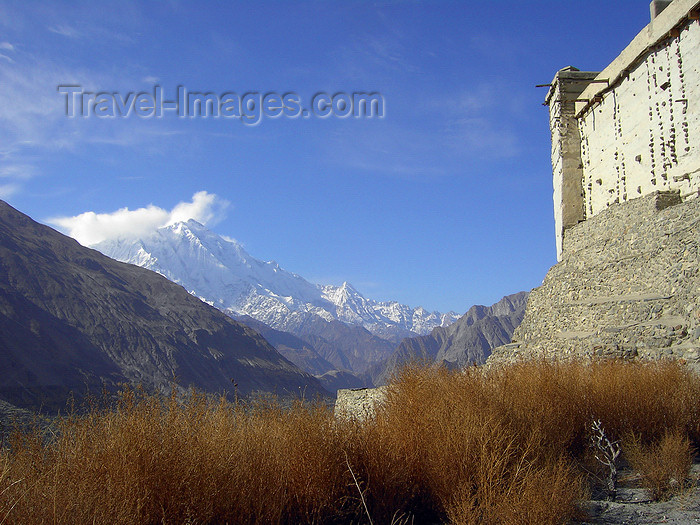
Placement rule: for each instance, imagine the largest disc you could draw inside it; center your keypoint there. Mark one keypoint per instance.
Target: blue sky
(444, 202)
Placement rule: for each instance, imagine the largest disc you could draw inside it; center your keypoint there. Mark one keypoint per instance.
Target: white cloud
(89, 228)
(7, 190)
(7, 46)
(17, 171)
(231, 239)
(64, 30)
(206, 208)
(150, 79)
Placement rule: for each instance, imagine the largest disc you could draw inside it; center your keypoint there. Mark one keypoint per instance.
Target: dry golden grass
(503, 447)
(663, 466)
(153, 460)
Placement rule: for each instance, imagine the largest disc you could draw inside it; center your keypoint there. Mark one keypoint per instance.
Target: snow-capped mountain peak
(221, 272)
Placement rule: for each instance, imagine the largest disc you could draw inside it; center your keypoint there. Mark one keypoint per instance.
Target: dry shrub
(468, 463)
(561, 400)
(649, 398)
(663, 466)
(389, 455)
(158, 461)
(539, 495)
(499, 447)
(545, 397)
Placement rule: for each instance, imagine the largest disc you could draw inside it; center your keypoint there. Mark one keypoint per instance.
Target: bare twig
(607, 453)
(401, 519)
(362, 497)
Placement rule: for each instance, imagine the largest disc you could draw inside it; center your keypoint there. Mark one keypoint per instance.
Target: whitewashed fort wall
(633, 128)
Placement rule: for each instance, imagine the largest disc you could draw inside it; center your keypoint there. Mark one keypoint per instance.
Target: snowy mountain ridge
(220, 272)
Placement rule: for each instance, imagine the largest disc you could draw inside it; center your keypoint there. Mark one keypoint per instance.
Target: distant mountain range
(344, 329)
(221, 272)
(468, 341)
(72, 319)
(333, 332)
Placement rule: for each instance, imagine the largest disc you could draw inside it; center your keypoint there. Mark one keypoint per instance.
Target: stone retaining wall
(628, 285)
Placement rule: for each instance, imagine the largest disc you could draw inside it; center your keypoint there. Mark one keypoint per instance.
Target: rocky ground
(632, 505)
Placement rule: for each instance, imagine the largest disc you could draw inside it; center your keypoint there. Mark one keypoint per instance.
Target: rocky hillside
(465, 342)
(74, 319)
(628, 285)
(298, 351)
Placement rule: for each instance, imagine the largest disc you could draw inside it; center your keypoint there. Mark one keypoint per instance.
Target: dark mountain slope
(337, 379)
(319, 346)
(346, 347)
(305, 356)
(467, 341)
(298, 351)
(72, 319)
